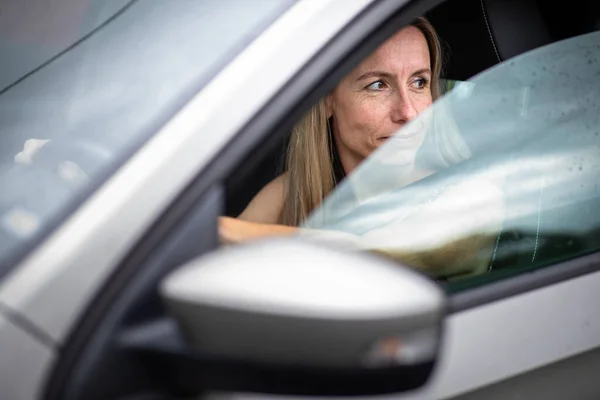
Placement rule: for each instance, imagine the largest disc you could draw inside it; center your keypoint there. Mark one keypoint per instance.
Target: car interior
(104, 361)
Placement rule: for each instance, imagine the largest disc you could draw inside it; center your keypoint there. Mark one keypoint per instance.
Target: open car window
(511, 163)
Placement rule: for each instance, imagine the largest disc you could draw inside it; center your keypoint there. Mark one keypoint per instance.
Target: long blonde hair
(309, 171)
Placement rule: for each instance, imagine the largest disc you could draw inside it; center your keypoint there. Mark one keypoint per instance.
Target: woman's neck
(350, 161)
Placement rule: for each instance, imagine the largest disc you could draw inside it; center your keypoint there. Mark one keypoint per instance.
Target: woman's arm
(259, 218)
(235, 230)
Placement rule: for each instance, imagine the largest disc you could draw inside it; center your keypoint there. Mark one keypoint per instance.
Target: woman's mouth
(399, 136)
(406, 135)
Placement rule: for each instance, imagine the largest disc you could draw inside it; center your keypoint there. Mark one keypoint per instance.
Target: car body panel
(489, 344)
(24, 363)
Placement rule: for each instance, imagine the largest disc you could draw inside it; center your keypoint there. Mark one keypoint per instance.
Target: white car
(149, 119)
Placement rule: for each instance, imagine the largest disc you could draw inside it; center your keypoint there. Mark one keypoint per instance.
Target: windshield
(512, 173)
(84, 83)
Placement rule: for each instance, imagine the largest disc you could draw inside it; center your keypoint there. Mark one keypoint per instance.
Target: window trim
(524, 282)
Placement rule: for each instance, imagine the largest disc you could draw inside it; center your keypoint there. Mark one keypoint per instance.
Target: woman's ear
(329, 105)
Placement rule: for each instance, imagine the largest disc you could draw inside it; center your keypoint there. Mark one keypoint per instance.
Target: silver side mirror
(311, 319)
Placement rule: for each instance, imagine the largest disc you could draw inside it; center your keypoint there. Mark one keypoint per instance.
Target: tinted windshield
(515, 183)
(90, 81)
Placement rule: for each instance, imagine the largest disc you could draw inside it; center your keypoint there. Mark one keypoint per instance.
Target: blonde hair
(309, 170)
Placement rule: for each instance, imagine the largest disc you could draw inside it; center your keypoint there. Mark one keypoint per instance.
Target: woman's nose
(403, 109)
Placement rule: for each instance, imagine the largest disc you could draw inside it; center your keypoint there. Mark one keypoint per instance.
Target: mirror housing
(291, 317)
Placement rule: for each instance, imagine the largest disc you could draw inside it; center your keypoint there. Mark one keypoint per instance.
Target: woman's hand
(234, 230)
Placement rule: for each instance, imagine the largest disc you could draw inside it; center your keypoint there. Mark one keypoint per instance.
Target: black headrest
(516, 26)
(481, 33)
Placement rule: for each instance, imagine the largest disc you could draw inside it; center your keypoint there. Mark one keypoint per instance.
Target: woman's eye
(377, 86)
(420, 83)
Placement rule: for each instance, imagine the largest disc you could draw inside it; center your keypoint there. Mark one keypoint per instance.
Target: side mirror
(290, 317)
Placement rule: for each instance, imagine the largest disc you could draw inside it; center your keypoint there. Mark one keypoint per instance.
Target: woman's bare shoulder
(266, 206)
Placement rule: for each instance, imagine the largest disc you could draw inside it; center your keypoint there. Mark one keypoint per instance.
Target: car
(151, 119)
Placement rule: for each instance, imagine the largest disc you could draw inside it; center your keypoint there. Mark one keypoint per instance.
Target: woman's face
(380, 96)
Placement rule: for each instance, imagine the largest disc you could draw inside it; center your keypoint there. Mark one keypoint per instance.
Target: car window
(513, 181)
(81, 92)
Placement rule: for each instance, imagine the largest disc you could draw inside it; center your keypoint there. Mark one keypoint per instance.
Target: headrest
(478, 34)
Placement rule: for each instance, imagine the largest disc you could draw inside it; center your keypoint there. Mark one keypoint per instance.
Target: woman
(383, 94)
